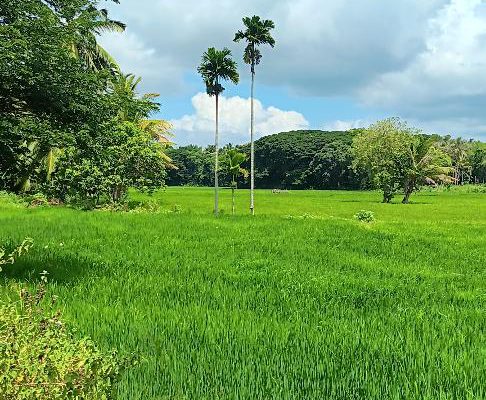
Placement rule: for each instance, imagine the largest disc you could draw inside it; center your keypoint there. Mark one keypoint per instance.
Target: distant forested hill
(305, 159)
(298, 159)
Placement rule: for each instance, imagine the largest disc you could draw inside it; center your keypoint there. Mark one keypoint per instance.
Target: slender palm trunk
(252, 147)
(233, 207)
(216, 161)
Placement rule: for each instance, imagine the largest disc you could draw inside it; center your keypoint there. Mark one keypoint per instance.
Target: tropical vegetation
(332, 294)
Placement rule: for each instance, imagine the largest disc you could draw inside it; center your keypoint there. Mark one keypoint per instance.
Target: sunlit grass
(300, 302)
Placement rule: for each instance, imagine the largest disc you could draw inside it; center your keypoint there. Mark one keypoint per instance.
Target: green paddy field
(300, 302)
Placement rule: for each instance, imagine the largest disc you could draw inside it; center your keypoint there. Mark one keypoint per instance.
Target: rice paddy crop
(301, 302)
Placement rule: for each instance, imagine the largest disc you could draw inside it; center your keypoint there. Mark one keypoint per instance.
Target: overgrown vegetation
(67, 113)
(39, 357)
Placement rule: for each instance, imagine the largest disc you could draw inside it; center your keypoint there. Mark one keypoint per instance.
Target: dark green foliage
(290, 160)
(63, 111)
(194, 166)
(478, 163)
(47, 96)
(305, 160)
(124, 156)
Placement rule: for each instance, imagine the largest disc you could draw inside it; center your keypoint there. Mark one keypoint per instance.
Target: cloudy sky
(338, 64)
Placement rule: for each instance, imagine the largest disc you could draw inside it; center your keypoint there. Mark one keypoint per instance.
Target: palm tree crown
(86, 26)
(257, 32)
(216, 66)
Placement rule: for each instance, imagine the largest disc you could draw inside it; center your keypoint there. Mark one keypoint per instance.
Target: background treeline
(310, 160)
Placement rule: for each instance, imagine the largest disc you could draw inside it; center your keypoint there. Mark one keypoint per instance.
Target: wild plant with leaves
(40, 358)
(10, 257)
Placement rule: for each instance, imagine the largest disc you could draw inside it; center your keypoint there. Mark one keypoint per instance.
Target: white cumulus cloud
(340, 125)
(447, 79)
(198, 128)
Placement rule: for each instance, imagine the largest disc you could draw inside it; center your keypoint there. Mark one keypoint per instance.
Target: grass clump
(365, 216)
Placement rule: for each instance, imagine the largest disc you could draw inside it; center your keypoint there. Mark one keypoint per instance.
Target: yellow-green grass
(313, 306)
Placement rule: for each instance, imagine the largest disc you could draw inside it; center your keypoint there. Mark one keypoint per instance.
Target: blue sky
(337, 64)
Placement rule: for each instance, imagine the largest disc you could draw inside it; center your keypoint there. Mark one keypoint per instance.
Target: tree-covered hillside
(306, 159)
(288, 160)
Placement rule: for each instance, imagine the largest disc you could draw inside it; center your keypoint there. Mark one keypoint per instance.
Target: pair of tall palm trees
(217, 66)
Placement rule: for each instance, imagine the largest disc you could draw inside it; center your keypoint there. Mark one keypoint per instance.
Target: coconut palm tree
(85, 27)
(459, 150)
(257, 32)
(124, 86)
(217, 66)
(428, 164)
(234, 161)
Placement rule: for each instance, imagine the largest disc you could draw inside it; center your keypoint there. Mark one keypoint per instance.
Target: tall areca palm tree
(257, 32)
(217, 66)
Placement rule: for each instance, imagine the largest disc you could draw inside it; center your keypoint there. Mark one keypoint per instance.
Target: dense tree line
(318, 160)
(290, 160)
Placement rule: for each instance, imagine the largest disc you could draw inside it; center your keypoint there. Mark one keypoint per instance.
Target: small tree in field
(383, 150)
(234, 160)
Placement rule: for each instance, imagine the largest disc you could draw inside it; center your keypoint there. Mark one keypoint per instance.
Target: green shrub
(12, 199)
(365, 216)
(41, 359)
(38, 200)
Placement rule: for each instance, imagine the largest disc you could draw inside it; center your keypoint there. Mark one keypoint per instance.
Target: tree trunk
(24, 181)
(252, 147)
(216, 160)
(406, 199)
(387, 197)
(409, 186)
